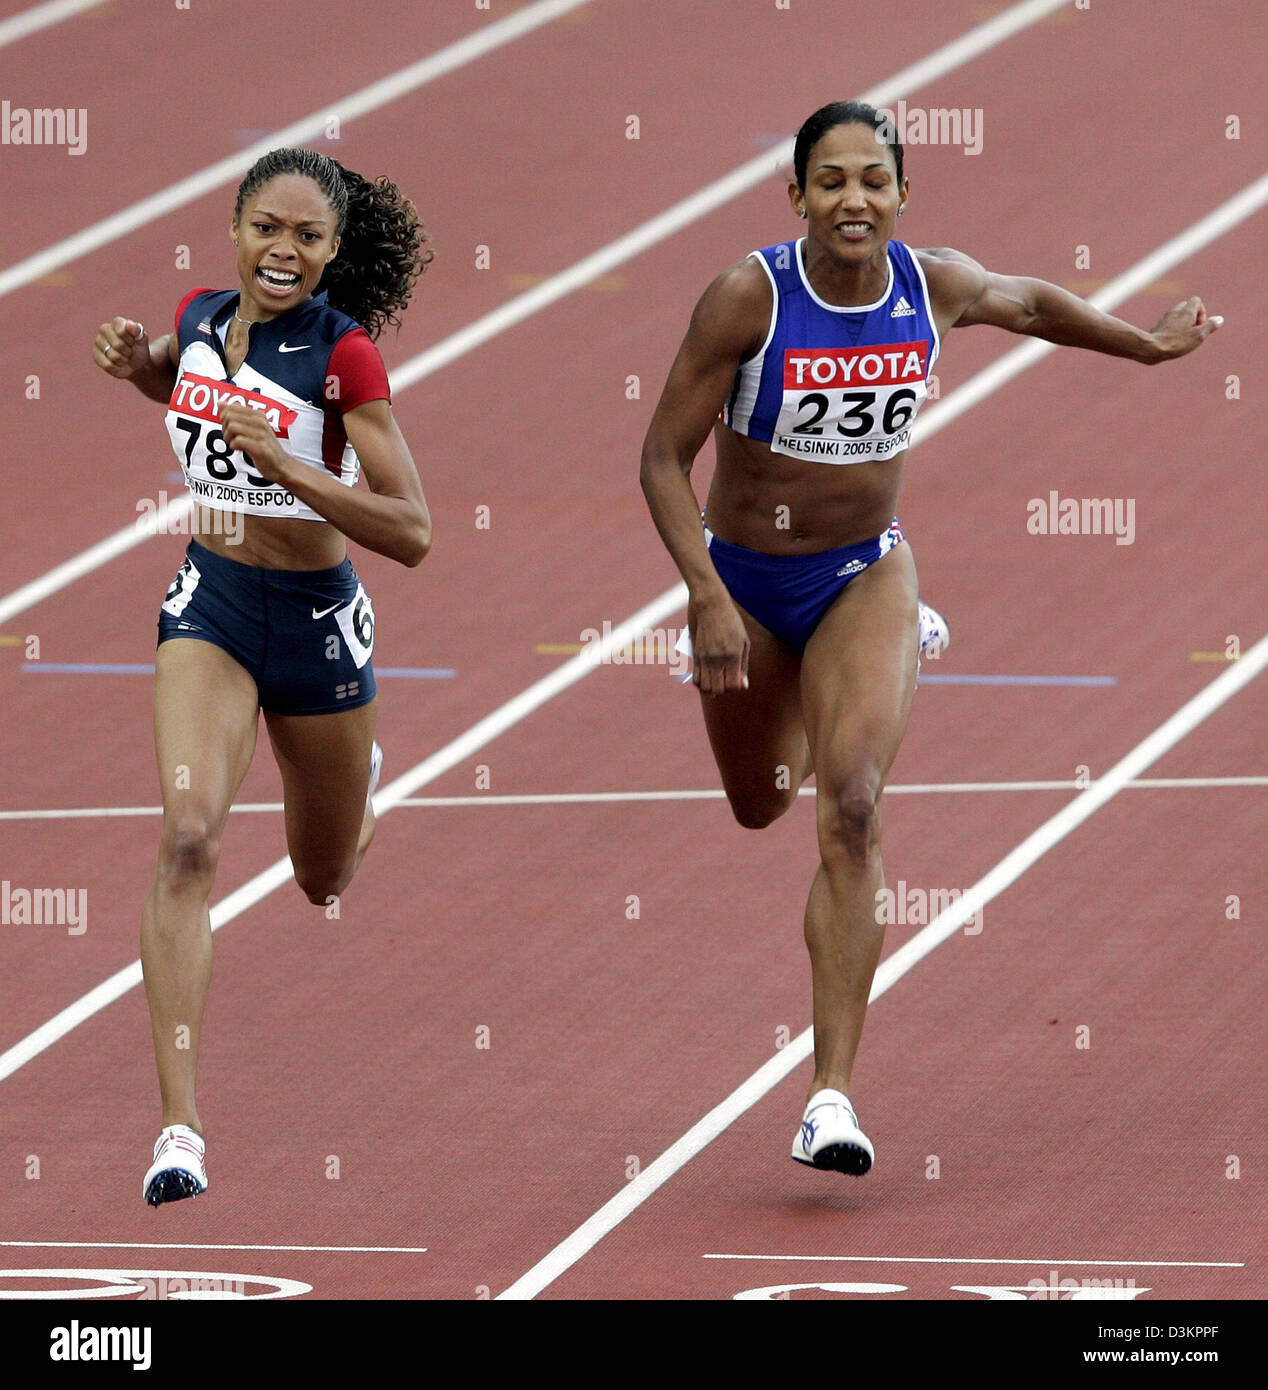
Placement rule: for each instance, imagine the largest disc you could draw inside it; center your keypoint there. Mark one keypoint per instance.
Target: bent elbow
(419, 543)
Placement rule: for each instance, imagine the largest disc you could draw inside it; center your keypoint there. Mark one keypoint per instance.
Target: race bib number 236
(848, 405)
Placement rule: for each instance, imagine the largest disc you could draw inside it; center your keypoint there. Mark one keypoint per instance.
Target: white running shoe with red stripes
(178, 1169)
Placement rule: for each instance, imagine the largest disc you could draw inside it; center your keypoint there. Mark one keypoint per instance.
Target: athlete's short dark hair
(837, 113)
(383, 249)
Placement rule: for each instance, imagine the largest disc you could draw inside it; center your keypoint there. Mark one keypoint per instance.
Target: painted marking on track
(934, 679)
(198, 1285)
(556, 648)
(11, 641)
(156, 1245)
(1212, 656)
(1170, 288)
(705, 794)
(964, 1260)
(944, 926)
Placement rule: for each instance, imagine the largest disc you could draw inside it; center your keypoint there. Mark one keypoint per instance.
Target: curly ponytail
(382, 249)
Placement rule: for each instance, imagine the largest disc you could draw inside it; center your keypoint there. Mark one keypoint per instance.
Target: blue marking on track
(1018, 680)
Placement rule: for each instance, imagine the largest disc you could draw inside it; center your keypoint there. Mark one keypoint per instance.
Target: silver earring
(801, 212)
(900, 212)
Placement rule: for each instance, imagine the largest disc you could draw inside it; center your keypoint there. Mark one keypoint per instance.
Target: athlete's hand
(248, 431)
(1184, 328)
(121, 348)
(719, 646)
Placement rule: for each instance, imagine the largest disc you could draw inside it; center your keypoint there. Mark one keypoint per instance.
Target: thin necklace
(240, 319)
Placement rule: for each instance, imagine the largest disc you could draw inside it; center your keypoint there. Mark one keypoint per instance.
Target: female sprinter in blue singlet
(277, 398)
(803, 612)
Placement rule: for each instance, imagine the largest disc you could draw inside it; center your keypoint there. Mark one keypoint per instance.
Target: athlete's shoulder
(196, 309)
(734, 312)
(954, 279)
(323, 322)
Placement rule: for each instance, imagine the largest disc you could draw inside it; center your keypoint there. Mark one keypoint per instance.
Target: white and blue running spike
(935, 633)
(830, 1137)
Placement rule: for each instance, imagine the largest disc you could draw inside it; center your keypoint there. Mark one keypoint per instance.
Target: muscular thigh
(858, 674)
(205, 719)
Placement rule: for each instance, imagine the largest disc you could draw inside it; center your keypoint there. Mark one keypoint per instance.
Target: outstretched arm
(967, 294)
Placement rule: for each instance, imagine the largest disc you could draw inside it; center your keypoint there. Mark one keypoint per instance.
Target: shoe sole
(840, 1158)
(171, 1186)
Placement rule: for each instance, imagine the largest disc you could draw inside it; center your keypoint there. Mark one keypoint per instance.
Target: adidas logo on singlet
(902, 309)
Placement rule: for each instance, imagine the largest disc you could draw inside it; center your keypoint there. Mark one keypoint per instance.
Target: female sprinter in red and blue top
(803, 611)
(277, 399)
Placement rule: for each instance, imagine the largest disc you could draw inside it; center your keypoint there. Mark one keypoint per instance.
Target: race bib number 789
(849, 405)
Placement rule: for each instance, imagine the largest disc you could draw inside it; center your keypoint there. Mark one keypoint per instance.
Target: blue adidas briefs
(789, 594)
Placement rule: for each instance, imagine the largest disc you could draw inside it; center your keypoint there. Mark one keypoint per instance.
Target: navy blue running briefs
(306, 637)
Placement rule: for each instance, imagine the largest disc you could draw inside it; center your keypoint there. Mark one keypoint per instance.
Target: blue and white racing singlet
(836, 384)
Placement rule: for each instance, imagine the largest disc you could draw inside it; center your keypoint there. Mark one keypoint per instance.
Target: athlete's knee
(322, 883)
(850, 816)
(755, 814)
(188, 852)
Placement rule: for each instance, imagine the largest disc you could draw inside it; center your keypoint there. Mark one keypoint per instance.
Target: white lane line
(38, 17)
(600, 262)
(964, 1260)
(154, 1245)
(707, 794)
(891, 970)
(349, 108)
(166, 518)
(251, 892)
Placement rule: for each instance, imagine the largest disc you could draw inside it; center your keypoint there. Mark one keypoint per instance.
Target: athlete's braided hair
(837, 113)
(382, 251)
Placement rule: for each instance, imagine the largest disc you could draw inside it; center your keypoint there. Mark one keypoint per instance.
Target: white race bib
(850, 405)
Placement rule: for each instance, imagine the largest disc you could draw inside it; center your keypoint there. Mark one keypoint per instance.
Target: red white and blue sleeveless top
(304, 370)
(837, 384)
